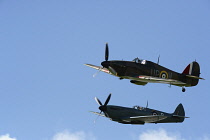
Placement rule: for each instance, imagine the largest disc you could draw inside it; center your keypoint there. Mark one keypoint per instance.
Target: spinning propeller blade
(98, 101)
(97, 118)
(105, 62)
(103, 107)
(95, 74)
(107, 100)
(107, 52)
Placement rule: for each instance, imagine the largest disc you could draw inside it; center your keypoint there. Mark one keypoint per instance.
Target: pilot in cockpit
(138, 107)
(137, 60)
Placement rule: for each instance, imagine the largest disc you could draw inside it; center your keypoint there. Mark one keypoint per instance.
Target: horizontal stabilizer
(180, 116)
(195, 77)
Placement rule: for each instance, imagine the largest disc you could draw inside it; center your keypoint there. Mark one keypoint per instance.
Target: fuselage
(121, 115)
(119, 111)
(134, 69)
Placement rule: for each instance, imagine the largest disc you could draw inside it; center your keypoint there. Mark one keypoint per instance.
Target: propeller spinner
(105, 63)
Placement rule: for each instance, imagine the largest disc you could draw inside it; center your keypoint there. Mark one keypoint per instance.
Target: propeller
(95, 74)
(102, 107)
(105, 64)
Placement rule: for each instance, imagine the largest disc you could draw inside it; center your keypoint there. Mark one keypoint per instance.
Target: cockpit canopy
(138, 107)
(140, 61)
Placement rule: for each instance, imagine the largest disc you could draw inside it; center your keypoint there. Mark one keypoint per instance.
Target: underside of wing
(151, 79)
(145, 119)
(99, 68)
(159, 80)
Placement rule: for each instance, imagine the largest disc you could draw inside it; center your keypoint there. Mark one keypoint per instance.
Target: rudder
(193, 69)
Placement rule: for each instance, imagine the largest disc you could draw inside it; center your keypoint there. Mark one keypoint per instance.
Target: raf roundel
(154, 113)
(164, 75)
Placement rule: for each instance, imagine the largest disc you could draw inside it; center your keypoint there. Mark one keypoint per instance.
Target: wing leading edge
(99, 68)
(97, 113)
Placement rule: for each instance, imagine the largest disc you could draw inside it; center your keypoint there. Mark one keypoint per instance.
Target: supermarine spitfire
(141, 72)
(139, 115)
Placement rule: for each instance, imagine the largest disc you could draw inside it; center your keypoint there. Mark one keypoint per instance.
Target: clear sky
(46, 92)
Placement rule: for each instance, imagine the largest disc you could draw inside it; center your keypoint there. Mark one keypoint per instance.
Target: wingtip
(86, 64)
(89, 65)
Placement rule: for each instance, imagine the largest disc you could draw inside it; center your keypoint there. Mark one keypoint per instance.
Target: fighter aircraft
(139, 115)
(141, 72)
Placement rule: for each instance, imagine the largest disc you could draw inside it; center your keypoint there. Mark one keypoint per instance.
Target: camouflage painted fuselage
(141, 115)
(144, 72)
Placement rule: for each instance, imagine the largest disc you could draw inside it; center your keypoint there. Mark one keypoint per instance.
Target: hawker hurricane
(141, 72)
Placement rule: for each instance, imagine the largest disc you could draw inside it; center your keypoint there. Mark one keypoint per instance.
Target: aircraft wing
(97, 113)
(157, 79)
(99, 68)
(141, 78)
(151, 79)
(146, 119)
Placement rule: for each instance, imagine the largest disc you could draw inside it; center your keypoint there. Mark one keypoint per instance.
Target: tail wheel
(183, 89)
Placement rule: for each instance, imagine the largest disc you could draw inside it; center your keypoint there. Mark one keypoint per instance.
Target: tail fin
(180, 113)
(193, 72)
(192, 69)
(179, 110)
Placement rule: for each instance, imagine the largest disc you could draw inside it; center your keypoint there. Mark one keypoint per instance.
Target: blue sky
(46, 91)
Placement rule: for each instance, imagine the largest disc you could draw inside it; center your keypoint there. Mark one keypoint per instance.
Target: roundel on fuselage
(154, 113)
(164, 75)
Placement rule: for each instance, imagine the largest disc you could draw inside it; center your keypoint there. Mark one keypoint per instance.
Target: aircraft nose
(103, 108)
(105, 64)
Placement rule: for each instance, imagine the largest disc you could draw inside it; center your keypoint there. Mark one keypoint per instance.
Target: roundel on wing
(164, 75)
